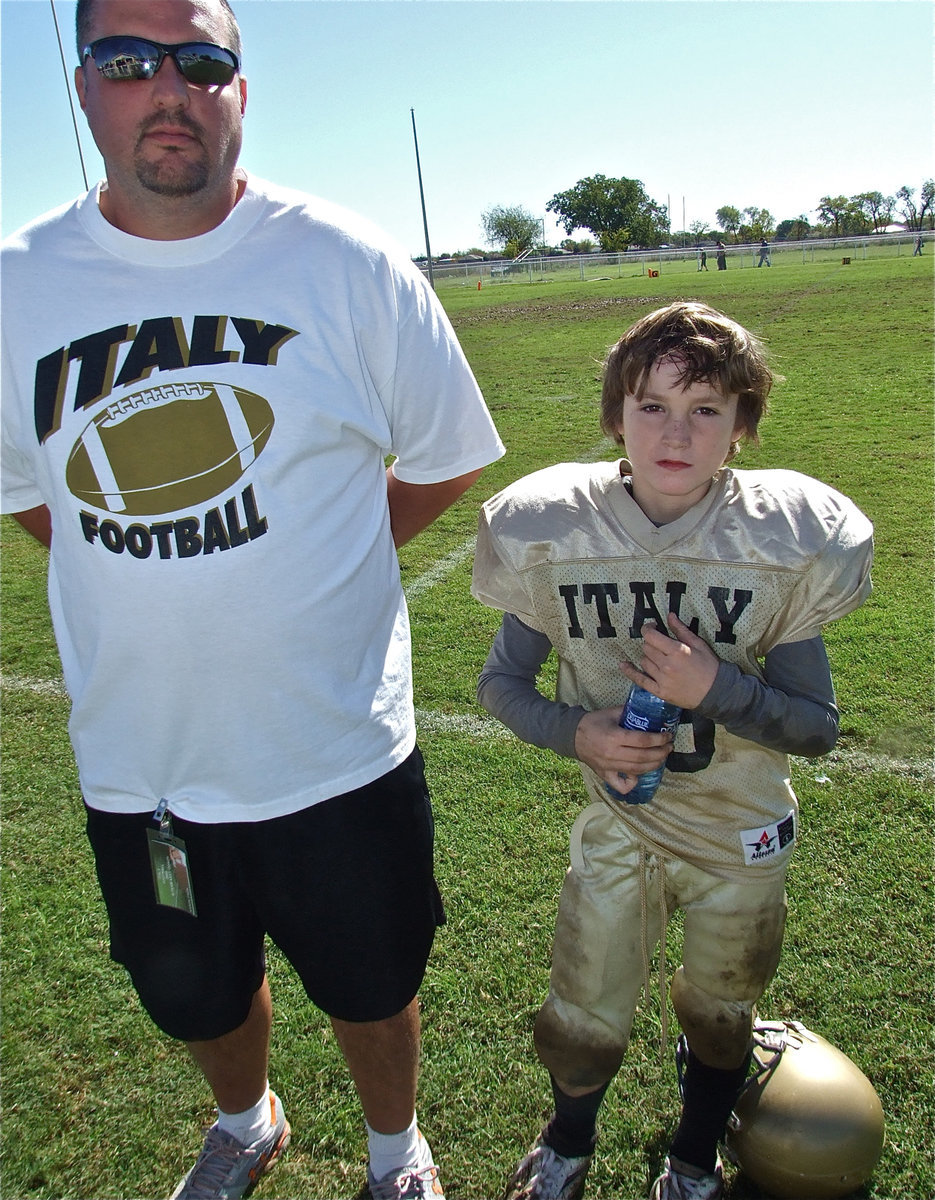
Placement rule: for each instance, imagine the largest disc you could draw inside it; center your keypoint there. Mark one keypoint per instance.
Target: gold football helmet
(808, 1123)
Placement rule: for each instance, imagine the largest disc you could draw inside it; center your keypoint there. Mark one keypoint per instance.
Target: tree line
(618, 213)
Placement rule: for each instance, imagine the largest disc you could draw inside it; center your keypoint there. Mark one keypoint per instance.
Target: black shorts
(344, 888)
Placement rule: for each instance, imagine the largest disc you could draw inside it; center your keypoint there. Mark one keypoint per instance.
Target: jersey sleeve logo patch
(767, 842)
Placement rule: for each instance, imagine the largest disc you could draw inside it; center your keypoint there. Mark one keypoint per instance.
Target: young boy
(718, 583)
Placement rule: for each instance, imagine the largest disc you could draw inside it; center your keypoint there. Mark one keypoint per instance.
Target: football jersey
(766, 557)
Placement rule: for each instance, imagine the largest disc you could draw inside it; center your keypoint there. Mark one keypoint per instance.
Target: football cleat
(679, 1181)
(543, 1174)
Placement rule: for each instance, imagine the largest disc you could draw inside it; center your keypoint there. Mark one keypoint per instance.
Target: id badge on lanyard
(168, 858)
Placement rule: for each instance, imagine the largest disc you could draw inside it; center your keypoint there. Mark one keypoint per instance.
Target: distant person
(709, 587)
(721, 256)
(225, 590)
(702, 259)
(918, 249)
(764, 253)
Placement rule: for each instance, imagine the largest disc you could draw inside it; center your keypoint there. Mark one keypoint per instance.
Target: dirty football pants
(615, 901)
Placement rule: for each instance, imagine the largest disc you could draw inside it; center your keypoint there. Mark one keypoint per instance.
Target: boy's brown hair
(711, 348)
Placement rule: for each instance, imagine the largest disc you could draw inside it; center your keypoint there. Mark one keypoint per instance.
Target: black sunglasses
(138, 58)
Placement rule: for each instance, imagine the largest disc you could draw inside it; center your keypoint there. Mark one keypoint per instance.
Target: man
(205, 377)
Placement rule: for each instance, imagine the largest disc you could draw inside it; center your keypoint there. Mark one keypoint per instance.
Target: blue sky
(708, 102)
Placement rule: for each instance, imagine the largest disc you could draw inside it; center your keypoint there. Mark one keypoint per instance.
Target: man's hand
(680, 669)
(614, 752)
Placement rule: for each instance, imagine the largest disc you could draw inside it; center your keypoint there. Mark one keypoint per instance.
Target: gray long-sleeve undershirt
(792, 711)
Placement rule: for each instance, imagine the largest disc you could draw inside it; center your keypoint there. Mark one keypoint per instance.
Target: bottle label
(638, 720)
(671, 725)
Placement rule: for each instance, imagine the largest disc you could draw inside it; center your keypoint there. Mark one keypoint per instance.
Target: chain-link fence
(671, 260)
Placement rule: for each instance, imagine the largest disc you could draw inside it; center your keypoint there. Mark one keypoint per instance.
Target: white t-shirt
(223, 584)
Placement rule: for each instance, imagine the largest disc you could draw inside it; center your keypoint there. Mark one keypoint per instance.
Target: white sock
(250, 1125)
(395, 1151)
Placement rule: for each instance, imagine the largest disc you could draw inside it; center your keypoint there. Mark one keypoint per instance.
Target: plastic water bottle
(645, 711)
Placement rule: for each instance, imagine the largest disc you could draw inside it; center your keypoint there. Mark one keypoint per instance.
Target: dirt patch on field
(555, 310)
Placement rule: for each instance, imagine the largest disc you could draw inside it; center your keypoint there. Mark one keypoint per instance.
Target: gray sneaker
(546, 1175)
(228, 1170)
(679, 1181)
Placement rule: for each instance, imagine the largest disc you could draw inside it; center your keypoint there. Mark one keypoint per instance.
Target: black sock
(708, 1097)
(572, 1132)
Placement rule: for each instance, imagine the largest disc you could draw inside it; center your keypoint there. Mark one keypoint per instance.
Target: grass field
(95, 1105)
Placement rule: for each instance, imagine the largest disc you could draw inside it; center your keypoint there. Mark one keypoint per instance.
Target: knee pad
(718, 1031)
(578, 1048)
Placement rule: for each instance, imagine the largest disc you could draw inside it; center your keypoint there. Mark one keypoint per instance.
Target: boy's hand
(680, 669)
(614, 752)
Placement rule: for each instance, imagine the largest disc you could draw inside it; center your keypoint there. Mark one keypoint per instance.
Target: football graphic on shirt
(171, 446)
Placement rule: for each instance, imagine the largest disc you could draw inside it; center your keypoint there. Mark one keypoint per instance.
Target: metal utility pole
(74, 120)
(425, 224)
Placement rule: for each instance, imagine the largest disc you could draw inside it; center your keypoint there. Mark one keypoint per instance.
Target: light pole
(425, 224)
